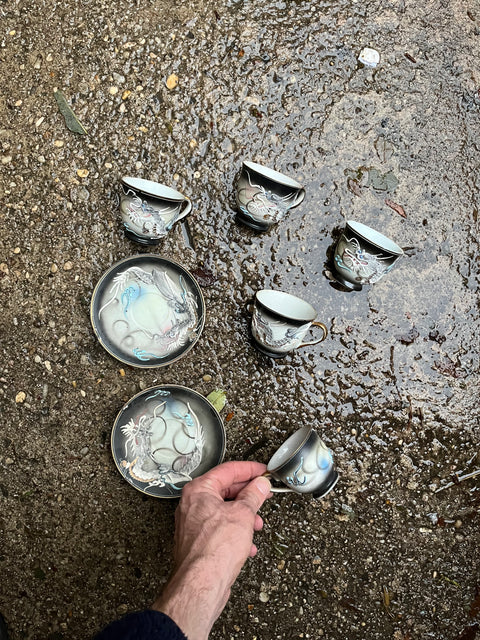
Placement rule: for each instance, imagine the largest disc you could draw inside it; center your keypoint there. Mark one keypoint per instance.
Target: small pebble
(122, 609)
(458, 524)
(207, 378)
(264, 597)
(68, 266)
(172, 81)
(48, 365)
(113, 91)
(54, 268)
(58, 143)
(369, 57)
(16, 250)
(20, 397)
(9, 461)
(82, 173)
(6, 159)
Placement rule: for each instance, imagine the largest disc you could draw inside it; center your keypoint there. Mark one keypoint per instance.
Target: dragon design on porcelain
(154, 222)
(128, 288)
(276, 334)
(294, 480)
(163, 463)
(259, 203)
(367, 267)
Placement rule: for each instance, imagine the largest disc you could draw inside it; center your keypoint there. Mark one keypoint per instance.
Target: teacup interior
(374, 237)
(286, 305)
(288, 448)
(154, 189)
(273, 175)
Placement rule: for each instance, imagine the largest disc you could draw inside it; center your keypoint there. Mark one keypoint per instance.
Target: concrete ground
(393, 552)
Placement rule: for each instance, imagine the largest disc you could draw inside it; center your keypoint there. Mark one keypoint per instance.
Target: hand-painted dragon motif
(164, 446)
(180, 327)
(367, 267)
(151, 221)
(260, 204)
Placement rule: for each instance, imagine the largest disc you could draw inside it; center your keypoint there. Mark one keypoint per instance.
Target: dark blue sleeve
(142, 625)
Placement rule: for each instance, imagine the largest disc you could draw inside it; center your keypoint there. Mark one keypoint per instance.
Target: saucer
(147, 311)
(164, 437)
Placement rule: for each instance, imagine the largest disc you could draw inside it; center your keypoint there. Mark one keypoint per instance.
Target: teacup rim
(153, 189)
(272, 174)
(285, 295)
(374, 237)
(308, 431)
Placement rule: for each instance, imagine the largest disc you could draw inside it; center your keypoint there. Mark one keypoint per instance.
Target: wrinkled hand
(214, 525)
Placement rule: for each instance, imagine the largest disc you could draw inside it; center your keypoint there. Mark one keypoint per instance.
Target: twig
(458, 479)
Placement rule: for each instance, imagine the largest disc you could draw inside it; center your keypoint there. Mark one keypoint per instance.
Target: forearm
(194, 599)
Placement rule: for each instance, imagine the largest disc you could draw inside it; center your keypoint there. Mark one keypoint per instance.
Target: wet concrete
(393, 389)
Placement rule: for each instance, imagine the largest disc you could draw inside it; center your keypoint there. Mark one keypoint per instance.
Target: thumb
(255, 493)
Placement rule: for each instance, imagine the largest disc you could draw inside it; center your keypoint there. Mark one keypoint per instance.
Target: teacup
(363, 256)
(264, 196)
(149, 209)
(304, 464)
(280, 322)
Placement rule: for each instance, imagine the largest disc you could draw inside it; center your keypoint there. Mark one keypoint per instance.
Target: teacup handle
(298, 198)
(268, 475)
(325, 333)
(186, 210)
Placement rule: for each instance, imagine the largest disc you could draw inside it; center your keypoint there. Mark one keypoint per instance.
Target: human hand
(214, 525)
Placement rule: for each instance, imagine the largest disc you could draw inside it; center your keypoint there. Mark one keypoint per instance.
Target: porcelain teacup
(264, 196)
(363, 256)
(304, 464)
(280, 322)
(149, 209)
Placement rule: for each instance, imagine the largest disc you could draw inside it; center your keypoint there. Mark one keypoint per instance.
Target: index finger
(228, 478)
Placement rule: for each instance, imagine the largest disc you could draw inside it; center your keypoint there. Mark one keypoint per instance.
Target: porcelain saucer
(147, 311)
(164, 437)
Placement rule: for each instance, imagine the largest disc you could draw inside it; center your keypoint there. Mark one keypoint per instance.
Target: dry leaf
(71, 119)
(384, 149)
(172, 81)
(218, 399)
(396, 207)
(354, 186)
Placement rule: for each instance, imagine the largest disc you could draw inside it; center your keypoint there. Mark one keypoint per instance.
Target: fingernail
(263, 485)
